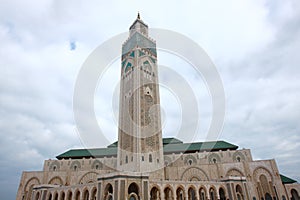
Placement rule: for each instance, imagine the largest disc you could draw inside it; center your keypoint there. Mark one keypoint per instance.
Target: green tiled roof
(170, 145)
(87, 153)
(165, 141)
(286, 180)
(138, 39)
(198, 146)
(171, 141)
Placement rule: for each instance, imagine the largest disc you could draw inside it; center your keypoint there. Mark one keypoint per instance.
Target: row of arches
(76, 165)
(192, 193)
(132, 192)
(89, 177)
(191, 159)
(84, 194)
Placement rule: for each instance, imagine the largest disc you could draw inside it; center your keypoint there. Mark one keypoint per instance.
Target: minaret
(140, 138)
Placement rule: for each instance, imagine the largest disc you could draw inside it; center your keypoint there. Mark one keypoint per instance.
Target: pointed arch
(222, 193)
(294, 194)
(29, 187)
(69, 195)
(234, 172)
(262, 170)
(77, 194)
(180, 195)
(56, 180)
(154, 193)
(86, 194)
(194, 174)
(89, 177)
(55, 196)
(49, 196)
(94, 193)
(168, 192)
(239, 192)
(62, 195)
(202, 193)
(191, 193)
(31, 181)
(238, 157)
(97, 164)
(37, 195)
(214, 158)
(75, 165)
(133, 188)
(190, 160)
(108, 191)
(54, 166)
(212, 193)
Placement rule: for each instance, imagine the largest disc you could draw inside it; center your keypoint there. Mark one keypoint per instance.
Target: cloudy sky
(254, 44)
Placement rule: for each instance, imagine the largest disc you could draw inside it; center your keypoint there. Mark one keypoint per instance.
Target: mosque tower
(140, 146)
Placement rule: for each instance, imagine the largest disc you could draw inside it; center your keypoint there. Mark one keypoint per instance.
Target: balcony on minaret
(139, 26)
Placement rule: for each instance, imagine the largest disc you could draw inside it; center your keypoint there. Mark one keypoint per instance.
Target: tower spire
(138, 16)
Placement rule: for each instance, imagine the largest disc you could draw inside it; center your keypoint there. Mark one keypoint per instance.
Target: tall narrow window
(126, 159)
(150, 158)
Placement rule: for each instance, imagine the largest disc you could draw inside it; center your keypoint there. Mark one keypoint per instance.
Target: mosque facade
(142, 165)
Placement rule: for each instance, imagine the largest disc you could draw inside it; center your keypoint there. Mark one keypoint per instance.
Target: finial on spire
(139, 17)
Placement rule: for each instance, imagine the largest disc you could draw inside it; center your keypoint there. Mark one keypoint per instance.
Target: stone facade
(230, 174)
(139, 166)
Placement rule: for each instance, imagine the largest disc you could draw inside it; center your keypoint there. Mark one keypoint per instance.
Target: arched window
(264, 184)
(37, 196)
(133, 191)
(97, 164)
(154, 193)
(295, 195)
(77, 195)
(62, 196)
(94, 194)
(191, 194)
(150, 158)
(179, 194)
(222, 194)
(69, 195)
(50, 197)
(86, 195)
(126, 159)
(212, 194)
(168, 194)
(108, 192)
(56, 196)
(202, 194)
(239, 192)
